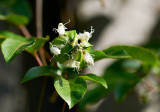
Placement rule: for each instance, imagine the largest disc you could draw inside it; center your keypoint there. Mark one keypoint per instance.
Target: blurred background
(129, 22)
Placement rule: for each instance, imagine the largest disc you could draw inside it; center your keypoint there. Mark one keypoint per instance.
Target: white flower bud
(55, 50)
(72, 64)
(86, 35)
(88, 58)
(61, 28)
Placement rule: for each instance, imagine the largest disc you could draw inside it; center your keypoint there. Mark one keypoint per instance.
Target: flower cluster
(75, 46)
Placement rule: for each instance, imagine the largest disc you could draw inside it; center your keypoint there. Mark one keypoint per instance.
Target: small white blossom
(72, 64)
(88, 58)
(61, 28)
(86, 35)
(55, 50)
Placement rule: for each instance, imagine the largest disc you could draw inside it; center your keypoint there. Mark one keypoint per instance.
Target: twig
(42, 55)
(38, 59)
(25, 31)
(39, 13)
(47, 55)
(28, 35)
(64, 106)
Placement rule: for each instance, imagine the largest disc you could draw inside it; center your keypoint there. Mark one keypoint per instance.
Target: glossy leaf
(95, 78)
(39, 42)
(71, 34)
(71, 90)
(14, 45)
(131, 52)
(97, 55)
(36, 72)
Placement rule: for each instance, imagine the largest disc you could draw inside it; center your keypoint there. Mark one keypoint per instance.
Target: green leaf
(65, 51)
(97, 55)
(19, 7)
(16, 19)
(39, 42)
(13, 46)
(95, 78)
(60, 40)
(36, 72)
(71, 34)
(71, 90)
(131, 52)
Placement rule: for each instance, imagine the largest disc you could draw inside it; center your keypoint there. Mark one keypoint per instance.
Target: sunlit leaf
(71, 90)
(14, 45)
(95, 78)
(131, 52)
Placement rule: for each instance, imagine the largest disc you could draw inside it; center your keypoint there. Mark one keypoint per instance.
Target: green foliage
(36, 72)
(121, 79)
(72, 53)
(39, 43)
(14, 45)
(15, 11)
(19, 7)
(135, 52)
(127, 52)
(95, 78)
(72, 90)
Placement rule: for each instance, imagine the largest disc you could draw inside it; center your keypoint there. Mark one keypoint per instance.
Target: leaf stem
(64, 106)
(38, 59)
(39, 22)
(24, 31)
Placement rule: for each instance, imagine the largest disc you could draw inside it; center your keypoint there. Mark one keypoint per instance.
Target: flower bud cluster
(79, 52)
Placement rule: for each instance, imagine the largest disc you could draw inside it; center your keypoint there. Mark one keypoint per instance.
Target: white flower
(88, 58)
(55, 50)
(72, 64)
(61, 28)
(86, 35)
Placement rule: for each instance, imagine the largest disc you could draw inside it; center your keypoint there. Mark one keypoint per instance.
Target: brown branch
(42, 55)
(39, 13)
(38, 59)
(24, 31)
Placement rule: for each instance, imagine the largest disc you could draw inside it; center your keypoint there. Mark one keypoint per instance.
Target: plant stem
(39, 12)
(28, 35)
(24, 31)
(38, 59)
(64, 106)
